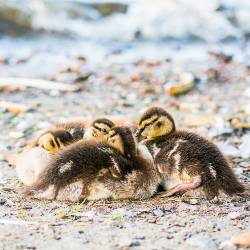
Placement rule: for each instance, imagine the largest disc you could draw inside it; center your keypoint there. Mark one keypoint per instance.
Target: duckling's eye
(158, 124)
(104, 130)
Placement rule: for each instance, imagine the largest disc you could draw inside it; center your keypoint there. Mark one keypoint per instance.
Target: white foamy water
(212, 20)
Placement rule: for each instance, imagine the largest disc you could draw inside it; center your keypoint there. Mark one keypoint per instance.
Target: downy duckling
(184, 159)
(135, 175)
(33, 160)
(97, 128)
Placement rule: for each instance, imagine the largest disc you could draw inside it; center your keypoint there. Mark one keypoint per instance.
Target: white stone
(201, 242)
(245, 146)
(228, 149)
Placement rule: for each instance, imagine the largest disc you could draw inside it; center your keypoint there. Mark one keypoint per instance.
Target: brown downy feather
(198, 156)
(75, 128)
(141, 183)
(79, 161)
(184, 155)
(226, 178)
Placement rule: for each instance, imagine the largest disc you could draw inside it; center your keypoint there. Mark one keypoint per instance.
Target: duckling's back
(75, 127)
(79, 161)
(192, 154)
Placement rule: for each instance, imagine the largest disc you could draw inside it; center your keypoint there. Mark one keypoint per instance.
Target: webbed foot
(182, 188)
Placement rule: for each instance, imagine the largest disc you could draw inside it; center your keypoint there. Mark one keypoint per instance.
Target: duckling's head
(54, 140)
(155, 122)
(123, 140)
(99, 129)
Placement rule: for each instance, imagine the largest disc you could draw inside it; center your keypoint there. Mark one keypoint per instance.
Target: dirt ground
(126, 89)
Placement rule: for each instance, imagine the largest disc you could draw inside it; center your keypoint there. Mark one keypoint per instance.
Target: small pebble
(153, 221)
(27, 207)
(54, 93)
(236, 216)
(140, 238)
(16, 134)
(2, 201)
(134, 243)
(23, 125)
(227, 245)
(158, 212)
(193, 202)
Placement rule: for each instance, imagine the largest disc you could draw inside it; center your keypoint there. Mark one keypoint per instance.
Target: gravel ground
(127, 88)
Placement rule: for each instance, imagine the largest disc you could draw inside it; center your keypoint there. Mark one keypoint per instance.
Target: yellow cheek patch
(165, 128)
(48, 142)
(102, 126)
(116, 143)
(111, 133)
(95, 132)
(156, 132)
(167, 125)
(148, 121)
(145, 132)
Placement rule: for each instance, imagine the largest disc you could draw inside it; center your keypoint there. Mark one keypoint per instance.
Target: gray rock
(201, 242)
(236, 216)
(125, 243)
(2, 201)
(227, 245)
(193, 201)
(158, 212)
(244, 147)
(23, 125)
(228, 149)
(134, 243)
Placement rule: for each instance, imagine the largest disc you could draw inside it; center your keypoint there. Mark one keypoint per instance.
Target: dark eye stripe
(97, 128)
(150, 123)
(104, 130)
(57, 143)
(52, 143)
(113, 135)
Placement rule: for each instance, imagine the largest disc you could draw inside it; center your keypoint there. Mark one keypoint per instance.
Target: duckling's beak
(138, 133)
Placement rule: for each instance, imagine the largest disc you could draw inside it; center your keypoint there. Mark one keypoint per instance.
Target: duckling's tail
(226, 178)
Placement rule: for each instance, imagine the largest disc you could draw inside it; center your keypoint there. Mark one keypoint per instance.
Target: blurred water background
(128, 28)
(125, 20)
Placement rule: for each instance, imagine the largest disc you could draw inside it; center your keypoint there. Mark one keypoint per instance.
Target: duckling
(32, 161)
(98, 128)
(83, 161)
(141, 183)
(186, 160)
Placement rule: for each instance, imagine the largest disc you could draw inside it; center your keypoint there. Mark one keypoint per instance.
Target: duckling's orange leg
(181, 188)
